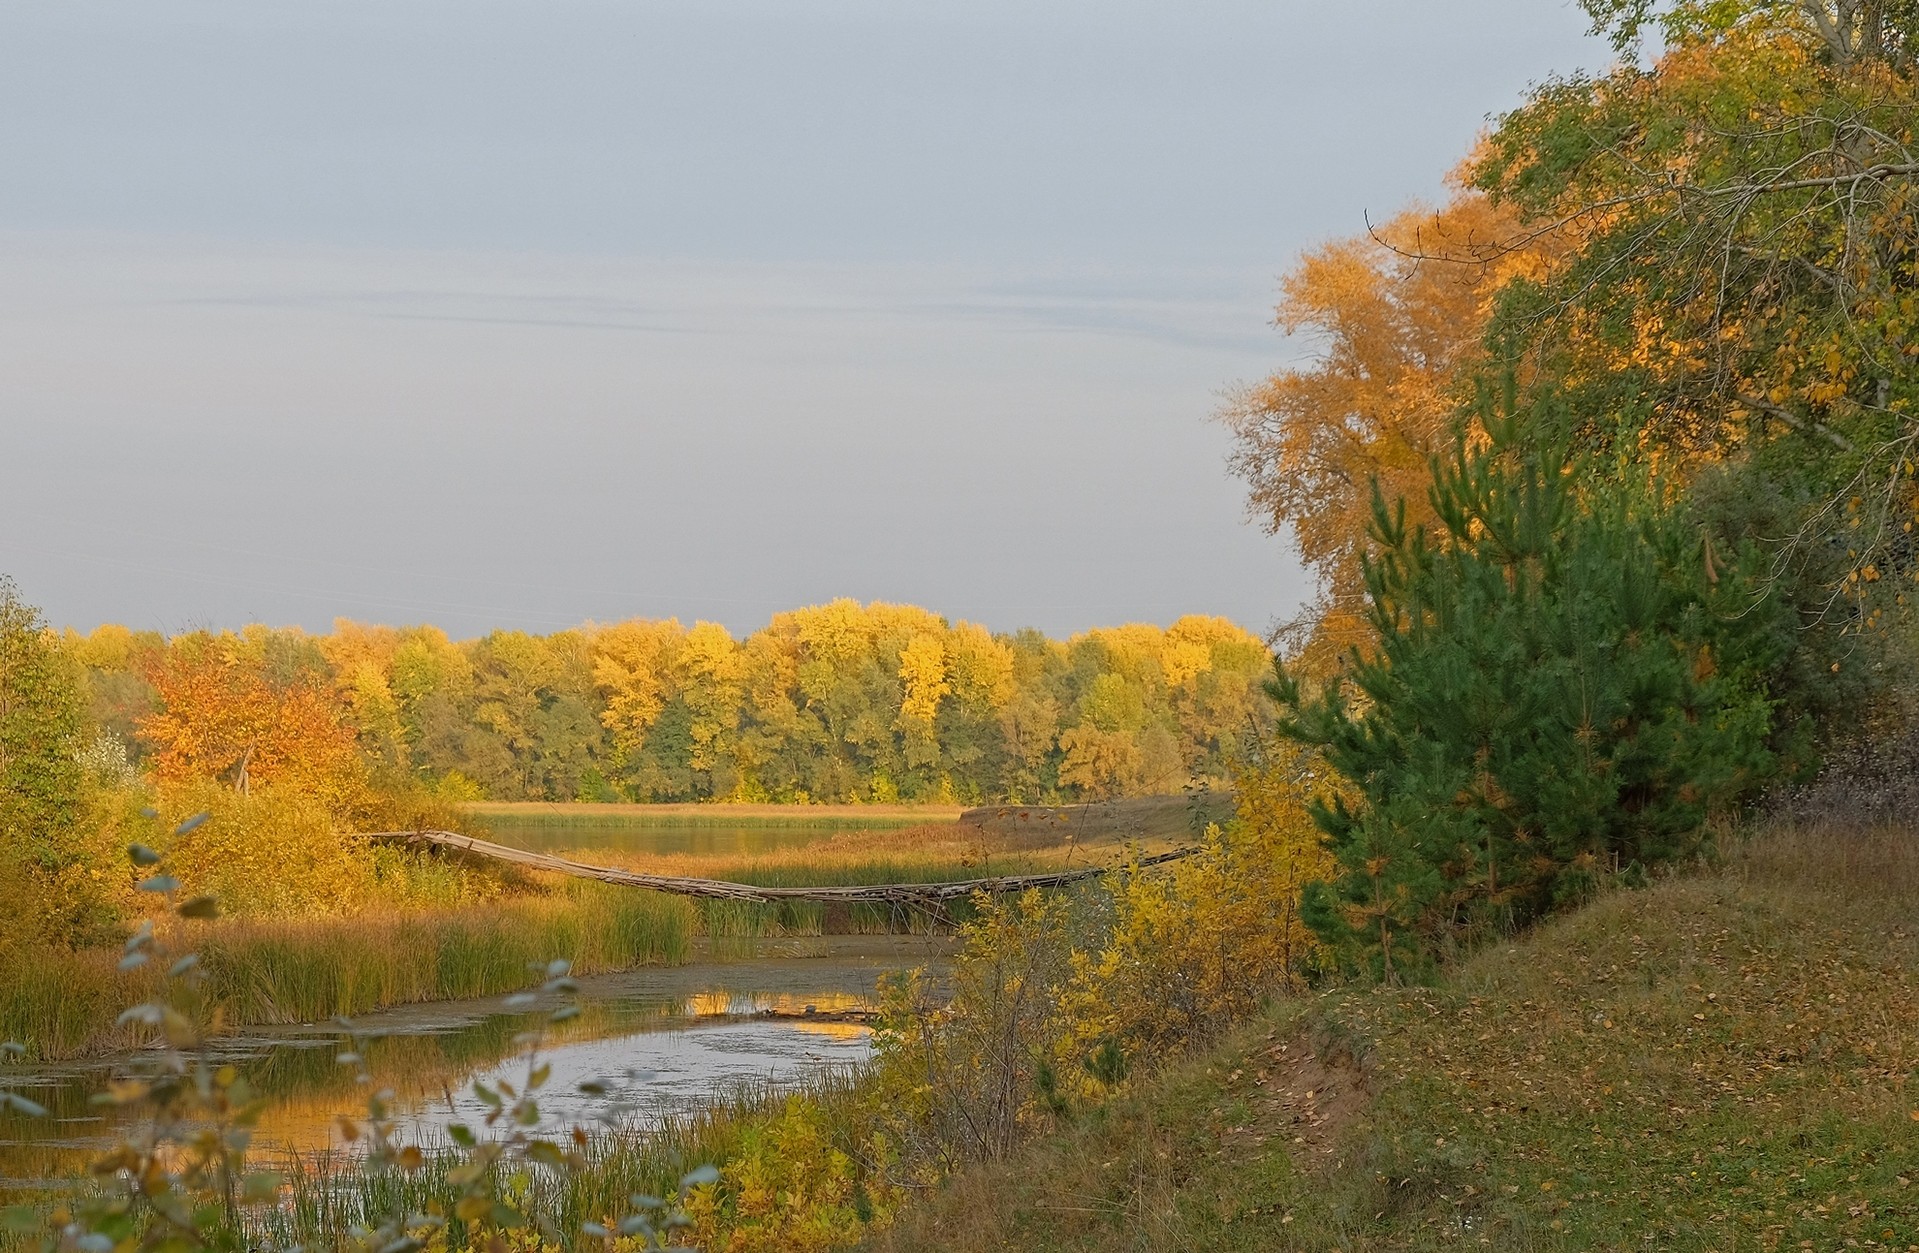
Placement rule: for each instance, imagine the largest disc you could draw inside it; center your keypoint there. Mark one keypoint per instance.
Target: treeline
(833, 703)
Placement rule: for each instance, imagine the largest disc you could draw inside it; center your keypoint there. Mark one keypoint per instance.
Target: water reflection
(665, 1040)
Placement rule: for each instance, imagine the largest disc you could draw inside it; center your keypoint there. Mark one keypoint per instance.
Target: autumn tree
(1395, 321)
(115, 662)
(833, 702)
(1742, 286)
(55, 838)
(251, 710)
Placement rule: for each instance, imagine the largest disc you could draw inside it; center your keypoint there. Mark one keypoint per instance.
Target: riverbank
(1719, 1061)
(664, 1045)
(62, 1004)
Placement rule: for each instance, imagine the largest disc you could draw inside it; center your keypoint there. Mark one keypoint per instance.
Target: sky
(522, 314)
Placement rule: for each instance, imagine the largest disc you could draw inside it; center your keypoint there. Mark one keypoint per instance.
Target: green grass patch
(1720, 1062)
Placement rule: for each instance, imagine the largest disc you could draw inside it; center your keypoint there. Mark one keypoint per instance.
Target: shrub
(275, 851)
(1197, 946)
(790, 1189)
(965, 1080)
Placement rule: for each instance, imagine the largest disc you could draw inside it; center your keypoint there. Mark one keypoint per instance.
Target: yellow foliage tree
(1397, 317)
(634, 664)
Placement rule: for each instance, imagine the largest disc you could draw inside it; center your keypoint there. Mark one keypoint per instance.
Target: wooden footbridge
(721, 890)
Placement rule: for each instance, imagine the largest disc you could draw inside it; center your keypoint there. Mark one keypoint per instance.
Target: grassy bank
(1719, 1062)
(1178, 818)
(928, 853)
(63, 1005)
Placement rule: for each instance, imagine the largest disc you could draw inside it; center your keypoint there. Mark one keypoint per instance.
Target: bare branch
(1808, 426)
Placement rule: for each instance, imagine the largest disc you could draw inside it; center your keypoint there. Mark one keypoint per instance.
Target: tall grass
(63, 1005)
(329, 1194)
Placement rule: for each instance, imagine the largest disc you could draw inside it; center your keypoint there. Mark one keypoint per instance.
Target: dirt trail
(1303, 1096)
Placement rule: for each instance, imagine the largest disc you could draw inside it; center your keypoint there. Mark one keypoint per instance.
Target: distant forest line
(840, 702)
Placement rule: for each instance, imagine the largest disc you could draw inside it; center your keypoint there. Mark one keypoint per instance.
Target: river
(662, 1039)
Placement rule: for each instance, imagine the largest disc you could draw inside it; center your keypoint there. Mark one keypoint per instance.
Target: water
(663, 838)
(664, 1040)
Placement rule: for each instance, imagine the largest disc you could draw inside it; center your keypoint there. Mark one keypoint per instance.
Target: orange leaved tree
(1397, 320)
(226, 715)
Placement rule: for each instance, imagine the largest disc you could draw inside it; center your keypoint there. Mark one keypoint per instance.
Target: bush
(967, 1079)
(1197, 946)
(272, 852)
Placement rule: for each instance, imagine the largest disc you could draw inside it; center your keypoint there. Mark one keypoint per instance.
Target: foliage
(50, 811)
(838, 702)
(1566, 684)
(250, 710)
(1198, 946)
(967, 1079)
(274, 852)
(40, 731)
(1396, 320)
(179, 1179)
(1054, 1001)
(790, 1189)
(1741, 224)
(1851, 30)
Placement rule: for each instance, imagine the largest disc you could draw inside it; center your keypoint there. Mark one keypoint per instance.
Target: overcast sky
(522, 314)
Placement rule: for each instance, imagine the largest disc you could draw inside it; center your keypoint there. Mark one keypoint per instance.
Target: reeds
(65, 1004)
(326, 1195)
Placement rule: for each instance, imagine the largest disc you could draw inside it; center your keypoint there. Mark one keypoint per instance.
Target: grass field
(1719, 1062)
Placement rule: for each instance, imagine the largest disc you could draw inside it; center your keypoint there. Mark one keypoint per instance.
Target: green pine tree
(1567, 681)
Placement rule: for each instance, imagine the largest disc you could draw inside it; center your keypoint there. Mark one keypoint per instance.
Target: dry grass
(713, 814)
(65, 1004)
(940, 850)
